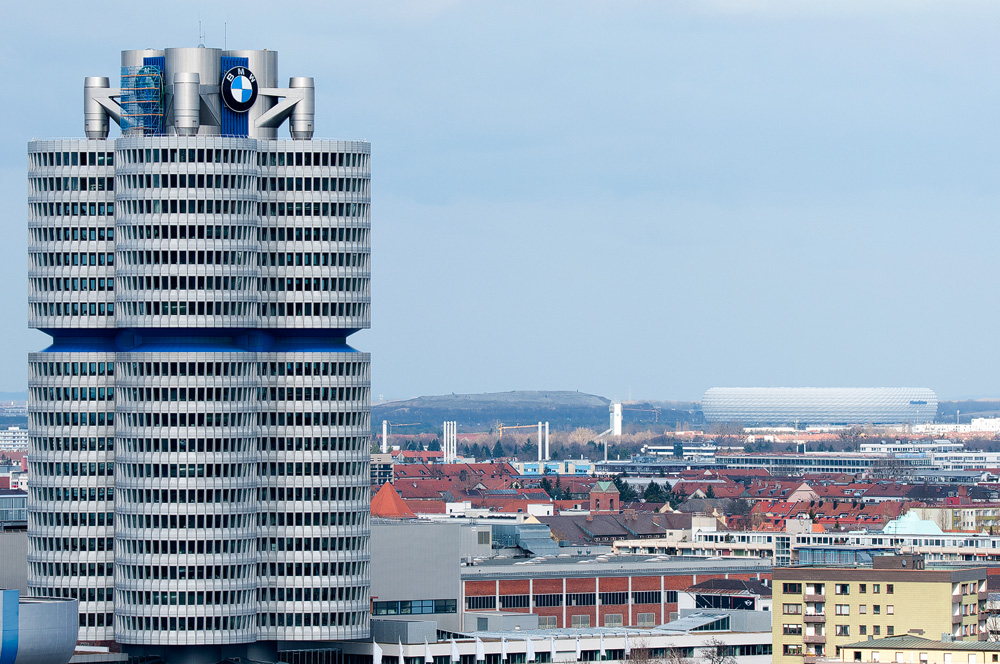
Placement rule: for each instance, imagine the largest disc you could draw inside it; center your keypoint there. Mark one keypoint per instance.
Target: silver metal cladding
(187, 103)
(95, 119)
(300, 124)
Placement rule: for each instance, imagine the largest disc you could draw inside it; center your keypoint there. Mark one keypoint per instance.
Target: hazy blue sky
(645, 198)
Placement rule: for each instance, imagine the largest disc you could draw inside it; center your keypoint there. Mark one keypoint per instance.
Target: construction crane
(543, 450)
(387, 431)
(501, 427)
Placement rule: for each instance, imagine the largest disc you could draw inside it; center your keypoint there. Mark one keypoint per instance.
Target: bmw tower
(199, 426)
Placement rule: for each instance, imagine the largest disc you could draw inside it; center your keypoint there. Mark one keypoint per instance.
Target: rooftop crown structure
(199, 426)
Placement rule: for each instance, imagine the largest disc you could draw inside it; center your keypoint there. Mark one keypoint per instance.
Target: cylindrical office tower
(315, 421)
(186, 504)
(200, 427)
(186, 231)
(71, 385)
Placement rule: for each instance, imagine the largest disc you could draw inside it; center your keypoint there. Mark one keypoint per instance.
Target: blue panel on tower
(234, 124)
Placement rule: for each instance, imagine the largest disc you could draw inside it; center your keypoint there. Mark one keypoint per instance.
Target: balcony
(956, 619)
(814, 598)
(815, 638)
(821, 618)
(811, 659)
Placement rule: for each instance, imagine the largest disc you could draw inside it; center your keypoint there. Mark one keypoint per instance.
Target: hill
(563, 409)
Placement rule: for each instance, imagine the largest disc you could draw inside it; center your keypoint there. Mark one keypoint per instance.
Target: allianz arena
(819, 405)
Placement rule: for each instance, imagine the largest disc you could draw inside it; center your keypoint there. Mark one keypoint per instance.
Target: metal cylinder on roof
(187, 103)
(300, 125)
(95, 118)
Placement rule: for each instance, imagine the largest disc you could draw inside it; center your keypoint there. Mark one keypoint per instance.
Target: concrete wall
(14, 553)
(412, 561)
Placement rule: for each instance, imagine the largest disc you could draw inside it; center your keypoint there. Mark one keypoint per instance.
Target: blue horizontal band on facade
(197, 340)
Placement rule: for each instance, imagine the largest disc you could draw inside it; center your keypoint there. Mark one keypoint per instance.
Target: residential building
(199, 427)
(909, 649)
(819, 610)
(13, 438)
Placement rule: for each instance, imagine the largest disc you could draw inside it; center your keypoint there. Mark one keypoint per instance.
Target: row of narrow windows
(42, 309)
(242, 521)
(310, 619)
(181, 624)
(70, 284)
(136, 368)
(75, 494)
(188, 419)
(38, 185)
(324, 469)
(185, 206)
(185, 155)
(181, 496)
(186, 181)
(200, 394)
(325, 443)
(198, 232)
(75, 519)
(72, 393)
(211, 283)
(264, 570)
(71, 468)
(190, 598)
(70, 259)
(187, 232)
(72, 233)
(359, 185)
(171, 470)
(40, 210)
(136, 181)
(324, 518)
(279, 309)
(75, 419)
(198, 155)
(174, 308)
(201, 206)
(323, 594)
(231, 156)
(74, 158)
(282, 544)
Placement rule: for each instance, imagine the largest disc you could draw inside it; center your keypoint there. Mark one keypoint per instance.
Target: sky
(632, 199)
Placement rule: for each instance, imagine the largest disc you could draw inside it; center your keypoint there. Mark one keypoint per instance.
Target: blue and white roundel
(239, 89)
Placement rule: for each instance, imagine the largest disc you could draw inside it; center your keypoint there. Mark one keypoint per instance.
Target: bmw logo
(239, 89)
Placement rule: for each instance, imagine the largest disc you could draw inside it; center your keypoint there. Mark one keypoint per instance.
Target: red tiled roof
(387, 504)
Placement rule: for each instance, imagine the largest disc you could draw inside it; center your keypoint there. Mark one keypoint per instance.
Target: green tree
(711, 492)
(654, 493)
(435, 446)
(498, 450)
(547, 487)
(558, 488)
(626, 494)
(676, 497)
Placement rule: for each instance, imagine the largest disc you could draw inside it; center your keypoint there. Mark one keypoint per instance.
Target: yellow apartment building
(917, 650)
(819, 610)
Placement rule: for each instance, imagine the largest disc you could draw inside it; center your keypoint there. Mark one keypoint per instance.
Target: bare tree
(643, 654)
(715, 651)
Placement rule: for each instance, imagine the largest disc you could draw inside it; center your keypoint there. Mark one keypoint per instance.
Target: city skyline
(647, 199)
